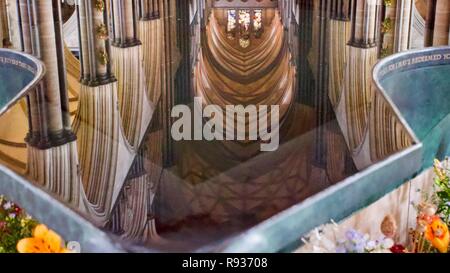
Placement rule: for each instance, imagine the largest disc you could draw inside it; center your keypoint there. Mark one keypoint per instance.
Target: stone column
(430, 22)
(52, 149)
(127, 56)
(403, 25)
(94, 43)
(363, 49)
(13, 24)
(106, 154)
(148, 9)
(340, 10)
(42, 37)
(437, 23)
(390, 22)
(4, 25)
(124, 16)
(365, 23)
(340, 27)
(441, 23)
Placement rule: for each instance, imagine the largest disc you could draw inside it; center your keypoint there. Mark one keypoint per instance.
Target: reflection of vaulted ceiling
(259, 75)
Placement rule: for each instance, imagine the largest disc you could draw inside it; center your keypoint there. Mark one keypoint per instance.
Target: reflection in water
(189, 194)
(217, 189)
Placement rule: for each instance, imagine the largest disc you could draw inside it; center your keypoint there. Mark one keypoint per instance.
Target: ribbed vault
(261, 75)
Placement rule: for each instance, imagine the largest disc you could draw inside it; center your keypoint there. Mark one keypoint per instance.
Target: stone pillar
(437, 23)
(124, 16)
(52, 148)
(340, 10)
(127, 56)
(430, 22)
(42, 36)
(106, 154)
(340, 27)
(363, 49)
(441, 23)
(365, 23)
(403, 25)
(158, 33)
(306, 79)
(4, 25)
(389, 28)
(13, 24)
(148, 9)
(94, 43)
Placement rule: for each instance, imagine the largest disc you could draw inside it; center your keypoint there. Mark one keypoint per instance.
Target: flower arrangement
(433, 215)
(20, 233)
(430, 235)
(15, 224)
(357, 242)
(331, 238)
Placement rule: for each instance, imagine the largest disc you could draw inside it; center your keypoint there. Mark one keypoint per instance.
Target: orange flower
(437, 234)
(44, 240)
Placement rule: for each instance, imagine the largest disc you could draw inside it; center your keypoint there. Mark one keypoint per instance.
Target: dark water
(216, 189)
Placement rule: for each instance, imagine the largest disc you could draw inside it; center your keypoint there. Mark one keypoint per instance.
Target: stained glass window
(257, 20)
(244, 24)
(231, 26)
(244, 19)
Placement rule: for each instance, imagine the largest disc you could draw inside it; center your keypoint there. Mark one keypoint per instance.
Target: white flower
(8, 205)
(371, 245)
(387, 243)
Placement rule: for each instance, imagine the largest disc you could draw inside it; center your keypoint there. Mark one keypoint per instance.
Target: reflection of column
(42, 37)
(4, 25)
(183, 80)
(437, 23)
(94, 43)
(429, 24)
(362, 56)
(170, 61)
(397, 26)
(124, 23)
(127, 57)
(13, 24)
(108, 137)
(305, 78)
(97, 123)
(339, 33)
(340, 10)
(148, 9)
(133, 218)
(390, 27)
(149, 32)
(365, 28)
(403, 25)
(441, 23)
(322, 104)
(50, 138)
